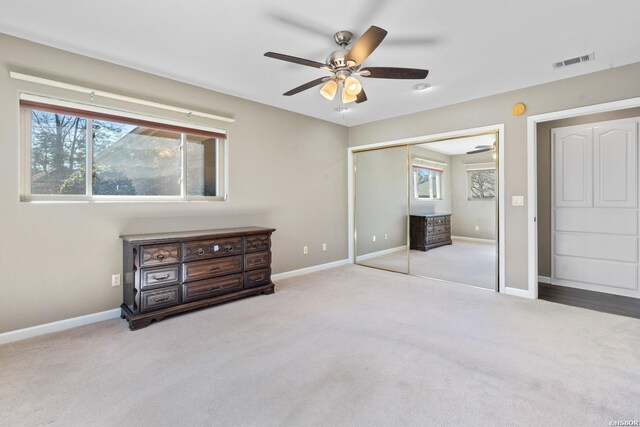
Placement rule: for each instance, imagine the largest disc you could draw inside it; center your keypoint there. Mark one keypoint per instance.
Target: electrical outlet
(115, 280)
(324, 247)
(374, 238)
(305, 250)
(386, 236)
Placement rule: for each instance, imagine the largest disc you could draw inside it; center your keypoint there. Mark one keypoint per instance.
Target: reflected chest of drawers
(171, 273)
(429, 231)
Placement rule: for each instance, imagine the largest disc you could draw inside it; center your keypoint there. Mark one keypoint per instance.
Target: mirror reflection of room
(381, 208)
(453, 187)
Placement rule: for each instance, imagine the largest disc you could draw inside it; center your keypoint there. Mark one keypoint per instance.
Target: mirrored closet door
(430, 209)
(381, 208)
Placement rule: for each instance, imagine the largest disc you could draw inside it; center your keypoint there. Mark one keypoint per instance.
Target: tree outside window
(481, 184)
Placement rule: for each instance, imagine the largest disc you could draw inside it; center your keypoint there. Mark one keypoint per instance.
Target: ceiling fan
(483, 149)
(344, 65)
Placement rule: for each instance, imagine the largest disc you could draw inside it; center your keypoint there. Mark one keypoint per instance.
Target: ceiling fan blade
(482, 150)
(393, 73)
(308, 85)
(361, 97)
(366, 44)
(295, 60)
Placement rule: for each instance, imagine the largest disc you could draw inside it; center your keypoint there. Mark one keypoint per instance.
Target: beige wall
(467, 214)
(610, 85)
(544, 177)
(381, 199)
(286, 170)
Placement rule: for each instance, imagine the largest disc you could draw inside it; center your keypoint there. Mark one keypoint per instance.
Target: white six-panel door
(595, 207)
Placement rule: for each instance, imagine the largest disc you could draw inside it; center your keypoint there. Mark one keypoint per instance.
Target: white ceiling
(472, 48)
(454, 147)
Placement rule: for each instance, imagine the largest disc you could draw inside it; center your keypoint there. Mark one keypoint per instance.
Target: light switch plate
(517, 200)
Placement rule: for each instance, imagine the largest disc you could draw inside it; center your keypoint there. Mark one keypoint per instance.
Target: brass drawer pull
(160, 257)
(260, 277)
(157, 300)
(200, 252)
(229, 248)
(214, 268)
(215, 289)
(154, 277)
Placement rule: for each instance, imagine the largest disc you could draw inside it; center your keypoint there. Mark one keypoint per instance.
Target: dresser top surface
(431, 215)
(220, 232)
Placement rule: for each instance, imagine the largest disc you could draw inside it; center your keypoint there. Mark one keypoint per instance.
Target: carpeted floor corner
(348, 346)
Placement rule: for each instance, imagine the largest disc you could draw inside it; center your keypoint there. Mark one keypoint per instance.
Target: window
(78, 154)
(427, 182)
(481, 184)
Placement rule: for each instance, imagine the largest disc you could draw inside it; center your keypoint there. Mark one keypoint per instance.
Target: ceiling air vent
(576, 60)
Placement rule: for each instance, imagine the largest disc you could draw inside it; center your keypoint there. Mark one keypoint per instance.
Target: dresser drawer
(257, 243)
(438, 238)
(257, 260)
(159, 276)
(439, 229)
(160, 298)
(203, 249)
(257, 278)
(159, 254)
(440, 220)
(197, 270)
(209, 288)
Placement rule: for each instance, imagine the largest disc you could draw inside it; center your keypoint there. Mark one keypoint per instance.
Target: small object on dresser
(171, 273)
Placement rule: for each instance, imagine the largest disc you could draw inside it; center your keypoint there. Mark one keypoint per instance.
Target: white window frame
(469, 193)
(438, 178)
(222, 148)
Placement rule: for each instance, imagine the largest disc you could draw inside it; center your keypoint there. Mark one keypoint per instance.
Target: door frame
(532, 174)
(425, 139)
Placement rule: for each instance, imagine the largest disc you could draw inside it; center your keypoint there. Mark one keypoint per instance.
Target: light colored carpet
(348, 346)
(468, 262)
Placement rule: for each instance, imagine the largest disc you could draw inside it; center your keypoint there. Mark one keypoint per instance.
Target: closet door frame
(532, 175)
(497, 128)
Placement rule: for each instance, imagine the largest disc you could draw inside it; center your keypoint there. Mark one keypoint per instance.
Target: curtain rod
(94, 92)
(430, 161)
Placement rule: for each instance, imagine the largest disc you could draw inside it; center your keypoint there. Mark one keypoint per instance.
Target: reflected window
(481, 184)
(427, 182)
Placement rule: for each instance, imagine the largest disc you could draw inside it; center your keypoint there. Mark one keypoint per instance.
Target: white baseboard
(380, 253)
(308, 270)
(60, 325)
(473, 239)
(523, 293)
(544, 279)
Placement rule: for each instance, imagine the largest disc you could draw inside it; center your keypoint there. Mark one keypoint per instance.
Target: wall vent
(589, 57)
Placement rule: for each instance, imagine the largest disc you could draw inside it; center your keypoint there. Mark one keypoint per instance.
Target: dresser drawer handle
(215, 289)
(159, 278)
(160, 257)
(157, 300)
(258, 245)
(214, 268)
(229, 248)
(200, 252)
(261, 277)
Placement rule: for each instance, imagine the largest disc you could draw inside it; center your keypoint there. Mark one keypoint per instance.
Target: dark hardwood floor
(614, 304)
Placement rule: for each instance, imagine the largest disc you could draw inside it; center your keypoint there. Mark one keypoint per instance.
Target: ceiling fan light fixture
(346, 97)
(329, 90)
(352, 86)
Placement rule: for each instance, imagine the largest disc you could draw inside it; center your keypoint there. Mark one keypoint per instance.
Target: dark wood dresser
(429, 231)
(171, 273)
